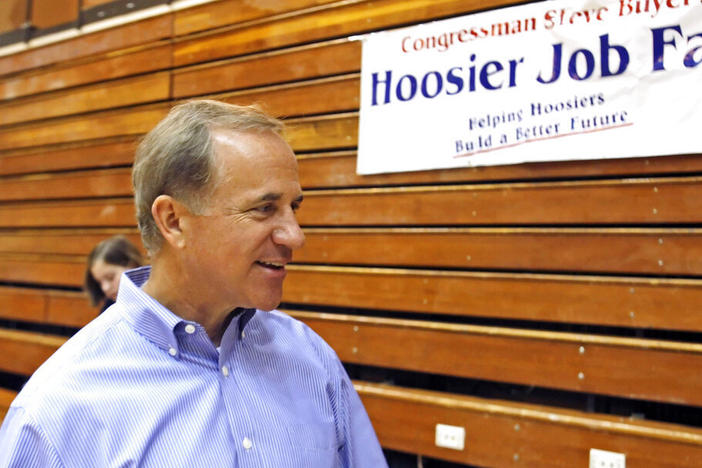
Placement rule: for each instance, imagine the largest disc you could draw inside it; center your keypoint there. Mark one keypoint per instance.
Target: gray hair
(176, 157)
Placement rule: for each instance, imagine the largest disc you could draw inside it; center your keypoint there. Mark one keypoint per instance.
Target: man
(188, 368)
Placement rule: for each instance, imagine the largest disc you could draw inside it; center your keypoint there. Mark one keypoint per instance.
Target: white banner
(549, 81)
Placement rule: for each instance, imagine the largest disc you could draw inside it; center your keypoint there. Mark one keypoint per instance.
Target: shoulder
(300, 332)
(23, 442)
(295, 326)
(44, 412)
(60, 373)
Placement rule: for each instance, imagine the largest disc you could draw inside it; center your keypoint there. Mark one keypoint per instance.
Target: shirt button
(225, 372)
(190, 329)
(243, 335)
(247, 443)
(172, 351)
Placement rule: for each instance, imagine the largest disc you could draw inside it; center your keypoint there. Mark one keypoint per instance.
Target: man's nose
(289, 233)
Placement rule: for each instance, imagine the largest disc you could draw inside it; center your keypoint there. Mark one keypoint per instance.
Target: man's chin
(268, 304)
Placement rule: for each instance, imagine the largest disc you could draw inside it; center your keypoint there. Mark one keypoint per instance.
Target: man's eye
(267, 208)
(295, 206)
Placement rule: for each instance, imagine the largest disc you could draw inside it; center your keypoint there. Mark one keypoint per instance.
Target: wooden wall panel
(52, 270)
(23, 351)
(606, 247)
(73, 310)
(50, 13)
(103, 183)
(101, 125)
(338, 169)
(631, 251)
(233, 12)
(601, 203)
(303, 134)
(324, 169)
(80, 155)
(13, 14)
(22, 304)
(132, 34)
(500, 433)
(111, 66)
(651, 251)
(56, 307)
(336, 94)
(61, 241)
(327, 58)
(101, 213)
(335, 131)
(86, 4)
(6, 397)
(611, 301)
(615, 366)
(115, 94)
(339, 19)
(671, 200)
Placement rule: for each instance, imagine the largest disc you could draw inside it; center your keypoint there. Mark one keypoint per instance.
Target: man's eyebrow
(274, 196)
(271, 197)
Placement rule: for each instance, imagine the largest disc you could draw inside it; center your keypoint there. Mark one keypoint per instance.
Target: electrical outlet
(606, 459)
(452, 437)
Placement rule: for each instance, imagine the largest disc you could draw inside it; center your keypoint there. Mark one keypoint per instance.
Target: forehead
(252, 158)
(100, 268)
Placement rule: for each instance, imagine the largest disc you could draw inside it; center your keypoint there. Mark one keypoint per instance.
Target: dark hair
(116, 250)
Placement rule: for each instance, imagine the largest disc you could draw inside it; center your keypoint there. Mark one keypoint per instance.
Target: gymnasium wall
(545, 308)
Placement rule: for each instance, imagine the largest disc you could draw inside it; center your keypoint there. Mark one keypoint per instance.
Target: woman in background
(106, 263)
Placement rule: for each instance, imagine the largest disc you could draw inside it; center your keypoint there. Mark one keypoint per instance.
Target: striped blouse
(139, 386)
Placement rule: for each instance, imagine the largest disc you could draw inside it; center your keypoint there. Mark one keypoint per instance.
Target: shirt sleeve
(361, 447)
(23, 444)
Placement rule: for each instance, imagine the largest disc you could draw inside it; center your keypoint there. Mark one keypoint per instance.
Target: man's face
(238, 247)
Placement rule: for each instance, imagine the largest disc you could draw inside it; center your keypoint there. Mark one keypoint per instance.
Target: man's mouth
(271, 265)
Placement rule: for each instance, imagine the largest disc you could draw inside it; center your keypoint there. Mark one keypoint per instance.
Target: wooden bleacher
(580, 279)
(502, 433)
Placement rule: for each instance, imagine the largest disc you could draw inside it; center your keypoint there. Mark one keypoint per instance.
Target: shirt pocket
(316, 441)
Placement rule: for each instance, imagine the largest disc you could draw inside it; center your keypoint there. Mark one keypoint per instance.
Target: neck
(169, 285)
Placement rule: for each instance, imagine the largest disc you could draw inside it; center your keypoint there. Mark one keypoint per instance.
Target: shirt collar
(151, 319)
(146, 315)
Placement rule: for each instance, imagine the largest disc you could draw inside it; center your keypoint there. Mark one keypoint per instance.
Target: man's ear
(168, 214)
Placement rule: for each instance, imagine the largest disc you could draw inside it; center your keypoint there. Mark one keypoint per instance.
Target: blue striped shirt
(139, 386)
